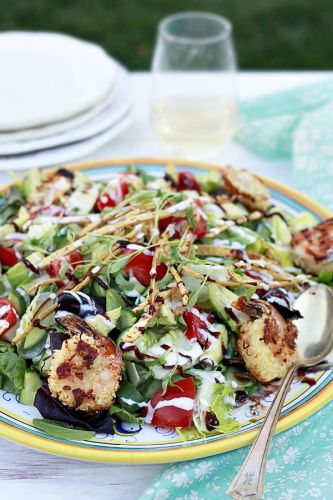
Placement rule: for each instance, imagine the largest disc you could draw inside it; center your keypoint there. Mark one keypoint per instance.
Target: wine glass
(193, 107)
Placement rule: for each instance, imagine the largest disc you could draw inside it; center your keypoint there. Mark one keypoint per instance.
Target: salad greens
(148, 300)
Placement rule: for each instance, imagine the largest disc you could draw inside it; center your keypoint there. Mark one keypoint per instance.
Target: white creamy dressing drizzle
(3, 322)
(182, 403)
(59, 314)
(134, 294)
(133, 246)
(213, 210)
(71, 219)
(214, 259)
(279, 301)
(226, 243)
(126, 345)
(95, 269)
(15, 236)
(179, 207)
(61, 184)
(3, 325)
(4, 310)
(77, 243)
(130, 402)
(171, 229)
(200, 212)
(84, 308)
(184, 353)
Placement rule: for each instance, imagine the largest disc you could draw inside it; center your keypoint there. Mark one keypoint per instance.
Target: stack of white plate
(60, 99)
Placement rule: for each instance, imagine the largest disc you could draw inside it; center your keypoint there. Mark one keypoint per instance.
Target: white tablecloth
(31, 475)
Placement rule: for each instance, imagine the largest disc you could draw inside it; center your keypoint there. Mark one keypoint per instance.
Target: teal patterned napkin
(300, 466)
(295, 124)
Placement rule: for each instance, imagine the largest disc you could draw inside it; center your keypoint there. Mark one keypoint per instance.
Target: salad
(144, 299)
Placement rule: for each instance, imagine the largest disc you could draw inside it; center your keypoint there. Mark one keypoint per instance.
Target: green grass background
(269, 34)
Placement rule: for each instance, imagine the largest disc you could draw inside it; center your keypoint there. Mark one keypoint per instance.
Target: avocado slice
(32, 383)
(34, 337)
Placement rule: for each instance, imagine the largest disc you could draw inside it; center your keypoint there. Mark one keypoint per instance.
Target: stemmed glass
(193, 107)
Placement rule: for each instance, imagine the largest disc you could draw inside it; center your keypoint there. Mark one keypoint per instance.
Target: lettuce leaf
(52, 409)
(124, 415)
(13, 367)
(215, 396)
(221, 407)
(188, 434)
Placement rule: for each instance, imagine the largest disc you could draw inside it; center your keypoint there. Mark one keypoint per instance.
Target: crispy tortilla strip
(184, 293)
(142, 324)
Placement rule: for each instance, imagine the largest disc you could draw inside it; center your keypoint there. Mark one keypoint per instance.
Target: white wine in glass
(193, 89)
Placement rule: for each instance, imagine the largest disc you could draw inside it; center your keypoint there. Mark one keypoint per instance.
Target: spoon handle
(249, 482)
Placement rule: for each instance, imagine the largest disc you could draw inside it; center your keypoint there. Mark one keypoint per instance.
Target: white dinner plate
(89, 127)
(50, 77)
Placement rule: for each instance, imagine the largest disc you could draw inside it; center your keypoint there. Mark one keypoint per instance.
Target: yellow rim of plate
(187, 451)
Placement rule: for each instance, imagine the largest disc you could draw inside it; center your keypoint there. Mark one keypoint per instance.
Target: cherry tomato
(201, 228)
(140, 267)
(198, 327)
(8, 315)
(104, 201)
(123, 188)
(9, 256)
(186, 180)
(73, 260)
(172, 416)
(113, 198)
(179, 223)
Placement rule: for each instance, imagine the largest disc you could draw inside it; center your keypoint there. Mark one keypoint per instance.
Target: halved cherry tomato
(73, 260)
(201, 228)
(186, 180)
(172, 416)
(112, 199)
(8, 315)
(9, 256)
(105, 200)
(198, 328)
(140, 267)
(179, 223)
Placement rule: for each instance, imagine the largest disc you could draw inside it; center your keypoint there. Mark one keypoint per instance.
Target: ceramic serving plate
(132, 443)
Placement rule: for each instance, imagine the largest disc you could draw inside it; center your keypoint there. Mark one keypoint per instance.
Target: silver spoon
(314, 343)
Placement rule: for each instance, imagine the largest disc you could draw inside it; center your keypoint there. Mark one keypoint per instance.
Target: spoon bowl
(315, 328)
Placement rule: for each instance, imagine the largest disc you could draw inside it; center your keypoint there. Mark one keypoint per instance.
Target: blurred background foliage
(269, 34)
